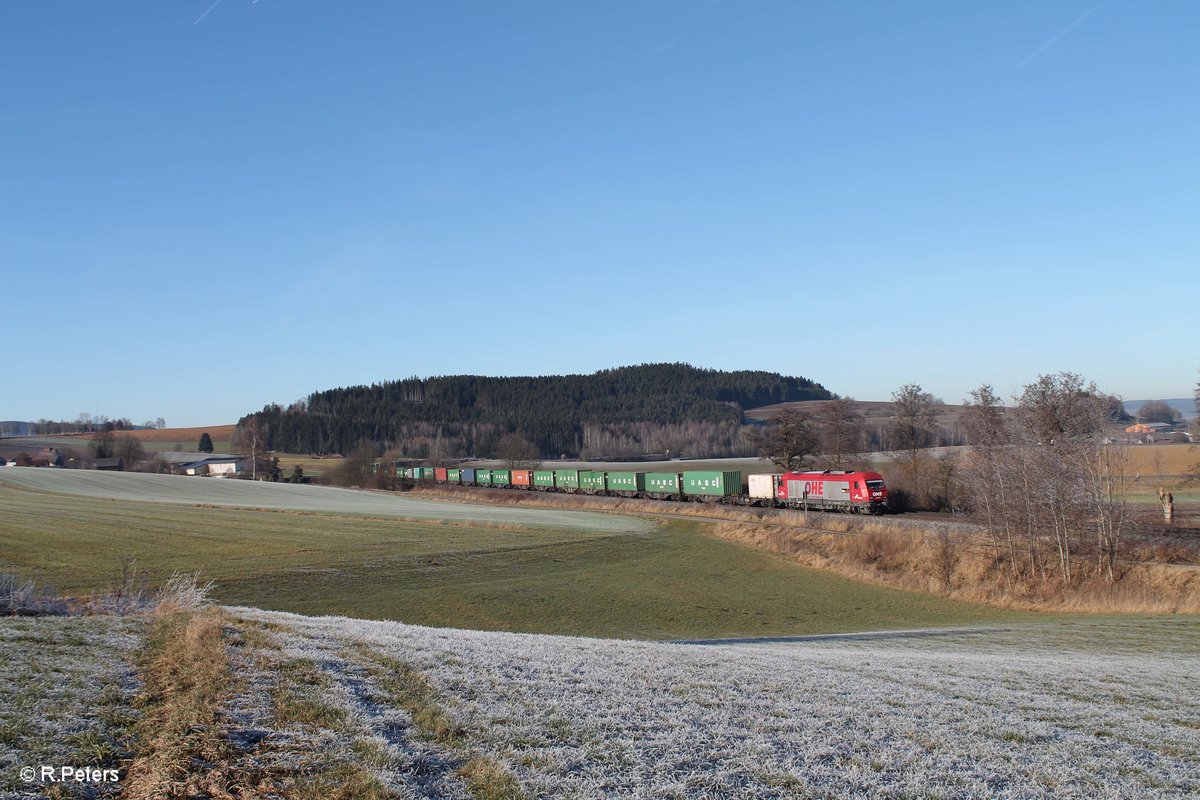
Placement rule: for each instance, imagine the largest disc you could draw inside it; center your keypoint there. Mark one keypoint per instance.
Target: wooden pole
(1167, 501)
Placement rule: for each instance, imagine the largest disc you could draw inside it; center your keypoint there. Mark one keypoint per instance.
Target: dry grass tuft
(28, 599)
(183, 593)
(186, 679)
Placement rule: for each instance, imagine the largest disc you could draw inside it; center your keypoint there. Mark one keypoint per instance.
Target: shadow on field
(866, 636)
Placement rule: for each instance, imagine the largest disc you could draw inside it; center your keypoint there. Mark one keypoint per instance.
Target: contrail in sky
(860, 184)
(1053, 40)
(206, 13)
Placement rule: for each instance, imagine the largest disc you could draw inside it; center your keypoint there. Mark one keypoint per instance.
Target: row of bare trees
(1038, 473)
(835, 434)
(1042, 477)
(795, 438)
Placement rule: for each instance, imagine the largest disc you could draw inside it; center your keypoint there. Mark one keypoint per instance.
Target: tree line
(1042, 474)
(89, 423)
(652, 407)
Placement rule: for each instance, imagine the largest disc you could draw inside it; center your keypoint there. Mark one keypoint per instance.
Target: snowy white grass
(184, 490)
(1097, 709)
(66, 685)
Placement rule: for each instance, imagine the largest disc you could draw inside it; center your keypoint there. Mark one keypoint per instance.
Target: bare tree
(517, 452)
(841, 428)
(1105, 472)
(914, 428)
(788, 442)
(915, 423)
(1062, 406)
(102, 444)
(1157, 411)
(129, 448)
(361, 468)
(984, 418)
(250, 437)
(1196, 396)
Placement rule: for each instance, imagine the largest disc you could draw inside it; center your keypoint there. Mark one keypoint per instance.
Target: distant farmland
(217, 432)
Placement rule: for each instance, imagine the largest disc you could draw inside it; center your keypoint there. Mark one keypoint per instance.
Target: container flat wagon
(708, 486)
(566, 480)
(591, 482)
(664, 485)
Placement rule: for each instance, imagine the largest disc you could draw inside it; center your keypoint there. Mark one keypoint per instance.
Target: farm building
(214, 466)
(204, 463)
(110, 464)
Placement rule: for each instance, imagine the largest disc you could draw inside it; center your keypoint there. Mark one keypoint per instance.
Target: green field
(670, 582)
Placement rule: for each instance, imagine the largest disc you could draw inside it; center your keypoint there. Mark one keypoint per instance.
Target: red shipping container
(439, 474)
(522, 477)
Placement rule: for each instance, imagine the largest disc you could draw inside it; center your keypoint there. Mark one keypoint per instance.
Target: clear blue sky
(209, 207)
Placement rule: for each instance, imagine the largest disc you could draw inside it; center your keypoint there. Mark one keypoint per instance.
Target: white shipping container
(762, 486)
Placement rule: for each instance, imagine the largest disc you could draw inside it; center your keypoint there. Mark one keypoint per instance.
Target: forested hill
(625, 410)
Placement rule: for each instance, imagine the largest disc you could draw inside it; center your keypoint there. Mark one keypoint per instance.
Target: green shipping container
(454, 475)
(501, 477)
(627, 481)
(566, 479)
(591, 481)
(663, 482)
(483, 477)
(543, 477)
(426, 473)
(721, 484)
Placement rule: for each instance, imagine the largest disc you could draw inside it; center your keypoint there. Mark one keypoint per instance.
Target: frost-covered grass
(320, 726)
(1103, 708)
(66, 693)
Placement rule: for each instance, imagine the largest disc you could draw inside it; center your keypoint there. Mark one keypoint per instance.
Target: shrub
(183, 592)
(27, 599)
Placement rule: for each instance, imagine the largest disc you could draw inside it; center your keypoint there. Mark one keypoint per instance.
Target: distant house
(110, 464)
(51, 456)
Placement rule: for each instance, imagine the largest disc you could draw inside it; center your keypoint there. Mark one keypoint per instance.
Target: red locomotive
(831, 490)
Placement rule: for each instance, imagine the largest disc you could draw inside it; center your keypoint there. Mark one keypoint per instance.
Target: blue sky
(207, 208)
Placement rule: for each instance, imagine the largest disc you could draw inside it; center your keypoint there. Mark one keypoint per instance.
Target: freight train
(828, 490)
